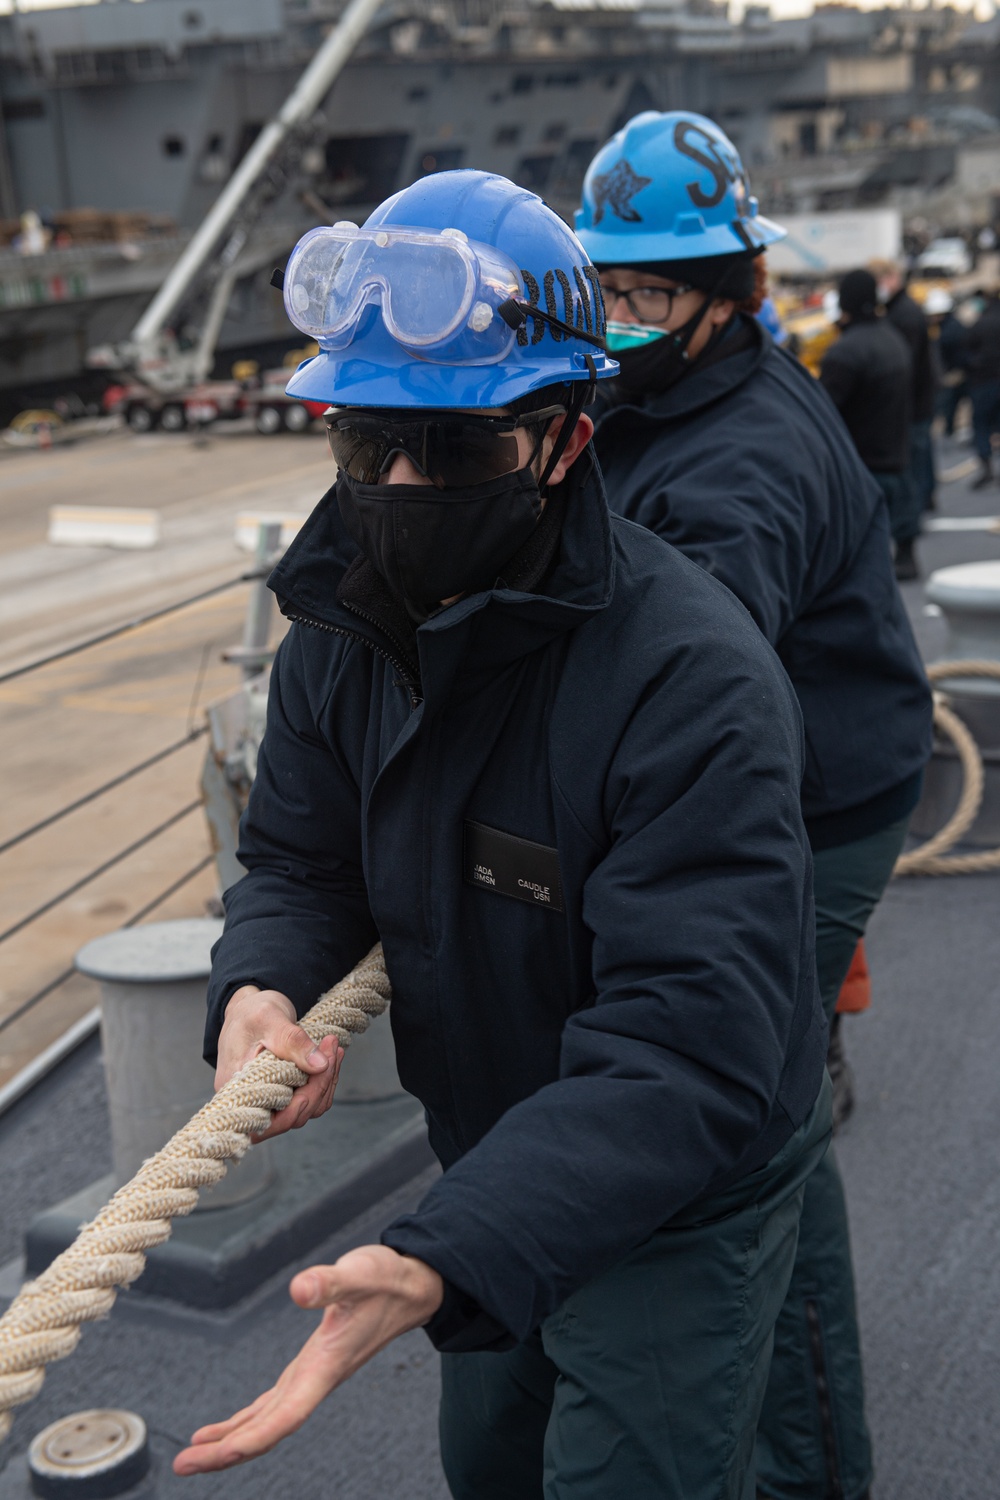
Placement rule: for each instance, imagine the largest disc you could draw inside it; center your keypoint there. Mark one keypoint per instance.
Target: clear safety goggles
(439, 292)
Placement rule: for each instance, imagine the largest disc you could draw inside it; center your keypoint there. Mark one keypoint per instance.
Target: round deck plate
(89, 1455)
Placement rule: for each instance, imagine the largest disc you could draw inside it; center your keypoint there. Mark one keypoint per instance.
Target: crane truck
(164, 380)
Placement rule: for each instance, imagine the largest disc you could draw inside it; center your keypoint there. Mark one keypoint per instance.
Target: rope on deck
(927, 860)
(43, 1322)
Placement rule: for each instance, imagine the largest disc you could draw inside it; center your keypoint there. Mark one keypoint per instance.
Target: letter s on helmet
(669, 187)
(429, 303)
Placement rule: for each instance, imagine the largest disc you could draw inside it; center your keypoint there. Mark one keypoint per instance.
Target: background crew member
(727, 448)
(983, 364)
(909, 317)
(868, 374)
(949, 351)
(555, 767)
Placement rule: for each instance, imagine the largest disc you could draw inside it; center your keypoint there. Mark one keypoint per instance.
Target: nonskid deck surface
(919, 1157)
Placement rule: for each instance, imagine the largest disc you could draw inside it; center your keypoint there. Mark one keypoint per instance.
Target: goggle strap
(515, 314)
(278, 279)
(578, 400)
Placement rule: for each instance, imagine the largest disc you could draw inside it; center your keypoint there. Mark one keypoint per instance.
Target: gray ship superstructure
(149, 106)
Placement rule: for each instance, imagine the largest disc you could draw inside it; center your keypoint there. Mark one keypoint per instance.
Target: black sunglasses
(452, 449)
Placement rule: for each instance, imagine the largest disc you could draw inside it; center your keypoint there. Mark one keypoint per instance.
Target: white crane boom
(300, 105)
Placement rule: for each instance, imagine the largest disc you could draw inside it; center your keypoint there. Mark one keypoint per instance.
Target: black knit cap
(859, 295)
(723, 275)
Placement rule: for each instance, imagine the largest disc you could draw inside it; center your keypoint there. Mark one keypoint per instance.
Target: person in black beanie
(868, 374)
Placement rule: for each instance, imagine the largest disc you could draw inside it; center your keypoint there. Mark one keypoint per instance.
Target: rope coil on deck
(43, 1322)
(927, 859)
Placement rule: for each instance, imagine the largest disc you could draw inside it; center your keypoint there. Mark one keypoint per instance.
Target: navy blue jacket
(589, 1072)
(747, 468)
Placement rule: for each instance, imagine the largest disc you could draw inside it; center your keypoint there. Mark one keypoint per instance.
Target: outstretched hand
(371, 1296)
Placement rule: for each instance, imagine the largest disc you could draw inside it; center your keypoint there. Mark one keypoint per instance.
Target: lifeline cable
(108, 864)
(136, 624)
(99, 791)
(135, 918)
(42, 1324)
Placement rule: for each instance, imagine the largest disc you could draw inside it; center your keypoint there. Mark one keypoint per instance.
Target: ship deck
(919, 1158)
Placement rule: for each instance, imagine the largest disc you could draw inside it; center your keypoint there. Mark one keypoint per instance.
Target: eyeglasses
(647, 304)
(453, 451)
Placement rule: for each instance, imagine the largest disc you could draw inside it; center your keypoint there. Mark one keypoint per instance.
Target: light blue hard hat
(669, 187)
(462, 290)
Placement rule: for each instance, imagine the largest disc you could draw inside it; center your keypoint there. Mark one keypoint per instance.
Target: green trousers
(647, 1383)
(813, 1441)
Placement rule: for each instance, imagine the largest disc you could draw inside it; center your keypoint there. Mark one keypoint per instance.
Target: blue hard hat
(369, 365)
(669, 187)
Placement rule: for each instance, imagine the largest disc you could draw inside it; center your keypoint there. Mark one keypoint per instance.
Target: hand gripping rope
(927, 859)
(42, 1324)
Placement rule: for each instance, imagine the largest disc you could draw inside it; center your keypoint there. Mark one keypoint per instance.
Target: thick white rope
(43, 1322)
(927, 859)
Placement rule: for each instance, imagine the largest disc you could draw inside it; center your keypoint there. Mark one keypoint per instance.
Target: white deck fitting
(108, 526)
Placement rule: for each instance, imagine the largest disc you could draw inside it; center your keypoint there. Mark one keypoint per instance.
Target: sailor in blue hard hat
(416, 316)
(668, 216)
(724, 445)
(554, 768)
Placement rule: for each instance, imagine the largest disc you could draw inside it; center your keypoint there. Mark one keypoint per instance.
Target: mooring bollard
(968, 596)
(153, 982)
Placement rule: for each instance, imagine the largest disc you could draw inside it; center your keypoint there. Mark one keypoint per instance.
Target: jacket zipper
(404, 672)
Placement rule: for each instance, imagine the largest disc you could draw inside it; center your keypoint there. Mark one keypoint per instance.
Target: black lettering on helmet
(703, 150)
(583, 309)
(572, 313)
(600, 317)
(550, 304)
(534, 297)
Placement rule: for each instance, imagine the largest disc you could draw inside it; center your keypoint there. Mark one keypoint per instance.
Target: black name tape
(499, 862)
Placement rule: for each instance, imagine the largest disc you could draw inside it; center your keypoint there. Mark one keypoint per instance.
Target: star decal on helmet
(616, 189)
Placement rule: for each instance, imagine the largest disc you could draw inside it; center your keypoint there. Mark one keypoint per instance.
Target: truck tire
(268, 420)
(140, 418)
(172, 417)
(296, 418)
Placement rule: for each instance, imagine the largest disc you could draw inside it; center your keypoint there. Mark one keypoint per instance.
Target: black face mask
(653, 368)
(430, 544)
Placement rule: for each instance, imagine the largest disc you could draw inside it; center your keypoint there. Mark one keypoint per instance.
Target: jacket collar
(482, 634)
(701, 386)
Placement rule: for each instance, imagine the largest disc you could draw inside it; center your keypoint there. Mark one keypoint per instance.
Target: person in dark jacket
(951, 356)
(868, 374)
(909, 317)
(725, 447)
(983, 365)
(554, 767)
